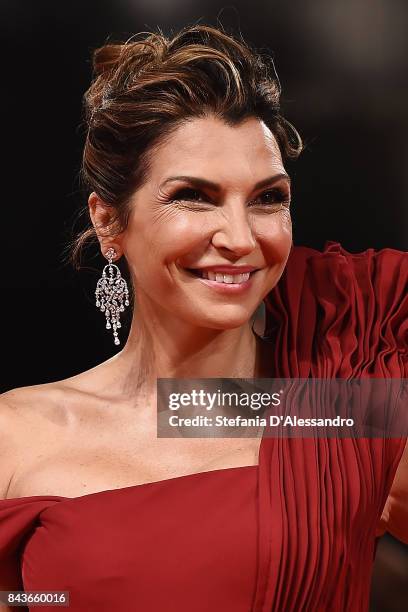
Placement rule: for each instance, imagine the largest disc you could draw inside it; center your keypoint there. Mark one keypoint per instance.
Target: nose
(234, 231)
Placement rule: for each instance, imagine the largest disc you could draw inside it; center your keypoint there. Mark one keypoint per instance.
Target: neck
(154, 350)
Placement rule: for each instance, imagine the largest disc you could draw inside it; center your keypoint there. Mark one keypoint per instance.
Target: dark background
(343, 68)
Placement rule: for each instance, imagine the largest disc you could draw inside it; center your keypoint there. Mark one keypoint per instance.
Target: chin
(229, 321)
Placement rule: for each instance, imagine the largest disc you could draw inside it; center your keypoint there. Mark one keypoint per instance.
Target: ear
(101, 216)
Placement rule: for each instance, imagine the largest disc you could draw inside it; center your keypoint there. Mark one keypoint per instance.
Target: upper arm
(395, 514)
(16, 427)
(8, 438)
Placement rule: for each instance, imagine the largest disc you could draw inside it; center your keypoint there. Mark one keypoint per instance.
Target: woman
(184, 160)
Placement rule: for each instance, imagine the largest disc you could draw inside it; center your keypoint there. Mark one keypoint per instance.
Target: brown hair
(144, 89)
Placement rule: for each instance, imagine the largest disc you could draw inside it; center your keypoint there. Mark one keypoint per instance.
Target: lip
(225, 288)
(228, 269)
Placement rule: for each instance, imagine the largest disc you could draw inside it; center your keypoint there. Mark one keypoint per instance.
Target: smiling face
(230, 217)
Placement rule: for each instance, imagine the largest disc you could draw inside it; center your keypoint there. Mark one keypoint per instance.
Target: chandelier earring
(112, 294)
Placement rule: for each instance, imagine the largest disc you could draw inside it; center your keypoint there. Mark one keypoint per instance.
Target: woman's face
(230, 209)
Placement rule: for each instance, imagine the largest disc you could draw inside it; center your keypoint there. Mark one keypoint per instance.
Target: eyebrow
(201, 182)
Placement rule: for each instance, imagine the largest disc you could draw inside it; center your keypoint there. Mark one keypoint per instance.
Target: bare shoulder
(28, 415)
(45, 405)
(19, 404)
(12, 426)
(54, 403)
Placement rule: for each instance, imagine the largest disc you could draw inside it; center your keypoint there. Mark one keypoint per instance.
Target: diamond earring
(111, 293)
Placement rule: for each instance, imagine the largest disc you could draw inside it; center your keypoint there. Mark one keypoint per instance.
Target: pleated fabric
(333, 314)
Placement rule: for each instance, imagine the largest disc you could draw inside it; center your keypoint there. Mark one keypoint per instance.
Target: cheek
(274, 234)
(185, 240)
(151, 247)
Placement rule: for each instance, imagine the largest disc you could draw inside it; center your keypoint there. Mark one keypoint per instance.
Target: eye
(274, 197)
(187, 193)
(277, 198)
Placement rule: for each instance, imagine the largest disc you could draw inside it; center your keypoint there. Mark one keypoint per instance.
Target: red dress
(295, 533)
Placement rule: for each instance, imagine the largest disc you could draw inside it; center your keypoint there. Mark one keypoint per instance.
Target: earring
(110, 294)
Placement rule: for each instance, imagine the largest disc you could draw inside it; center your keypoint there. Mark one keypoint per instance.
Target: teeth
(225, 278)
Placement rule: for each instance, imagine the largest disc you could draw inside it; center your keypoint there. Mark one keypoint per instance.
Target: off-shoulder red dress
(295, 533)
